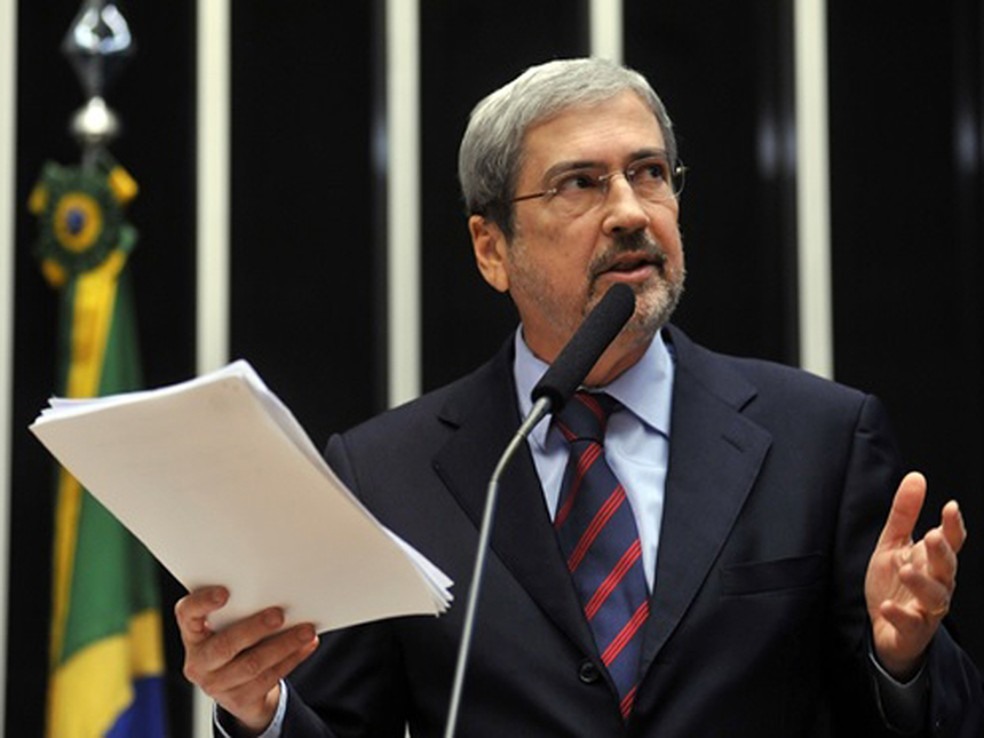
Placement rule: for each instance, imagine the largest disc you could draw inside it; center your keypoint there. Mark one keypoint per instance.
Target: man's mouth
(630, 264)
(634, 264)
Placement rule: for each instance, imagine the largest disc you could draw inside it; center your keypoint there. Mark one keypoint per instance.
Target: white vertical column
(606, 29)
(8, 170)
(403, 200)
(213, 167)
(813, 188)
(212, 233)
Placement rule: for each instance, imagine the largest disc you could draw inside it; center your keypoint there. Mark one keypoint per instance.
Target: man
(754, 495)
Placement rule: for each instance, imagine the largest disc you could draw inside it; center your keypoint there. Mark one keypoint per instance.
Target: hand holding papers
(223, 486)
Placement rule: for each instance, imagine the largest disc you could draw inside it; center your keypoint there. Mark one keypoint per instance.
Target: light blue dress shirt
(637, 441)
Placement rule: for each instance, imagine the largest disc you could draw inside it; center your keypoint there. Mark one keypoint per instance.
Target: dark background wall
(307, 264)
(907, 197)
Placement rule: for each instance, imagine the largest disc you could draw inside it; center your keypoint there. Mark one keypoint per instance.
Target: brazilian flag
(106, 675)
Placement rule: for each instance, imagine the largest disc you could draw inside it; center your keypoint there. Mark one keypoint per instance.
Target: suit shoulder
(434, 410)
(794, 379)
(740, 378)
(757, 369)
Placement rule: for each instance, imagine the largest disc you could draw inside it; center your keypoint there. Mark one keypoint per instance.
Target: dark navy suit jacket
(778, 485)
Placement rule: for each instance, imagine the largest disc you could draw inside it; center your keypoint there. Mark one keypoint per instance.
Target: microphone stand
(540, 409)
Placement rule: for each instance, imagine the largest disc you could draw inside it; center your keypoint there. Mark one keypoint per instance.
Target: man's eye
(651, 171)
(577, 181)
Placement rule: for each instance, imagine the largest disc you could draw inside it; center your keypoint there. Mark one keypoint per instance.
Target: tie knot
(585, 417)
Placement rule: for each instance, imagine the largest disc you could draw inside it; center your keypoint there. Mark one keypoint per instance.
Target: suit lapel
(522, 536)
(715, 457)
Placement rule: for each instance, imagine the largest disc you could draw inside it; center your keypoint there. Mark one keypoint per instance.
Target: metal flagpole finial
(97, 44)
(80, 209)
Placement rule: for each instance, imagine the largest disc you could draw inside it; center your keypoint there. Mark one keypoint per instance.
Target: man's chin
(656, 301)
(654, 308)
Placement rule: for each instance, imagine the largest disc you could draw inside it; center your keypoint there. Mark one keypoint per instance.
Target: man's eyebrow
(562, 167)
(647, 152)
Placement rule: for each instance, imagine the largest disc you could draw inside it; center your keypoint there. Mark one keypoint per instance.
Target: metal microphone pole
(540, 409)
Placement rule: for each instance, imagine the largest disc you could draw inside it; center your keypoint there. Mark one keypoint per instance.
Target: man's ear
(490, 248)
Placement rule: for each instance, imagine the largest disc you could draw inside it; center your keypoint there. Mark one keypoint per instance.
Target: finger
(225, 645)
(931, 597)
(902, 517)
(297, 645)
(192, 611)
(259, 663)
(953, 526)
(206, 662)
(906, 620)
(941, 560)
(256, 670)
(251, 692)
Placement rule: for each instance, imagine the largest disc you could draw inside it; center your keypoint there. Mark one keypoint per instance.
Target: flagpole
(107, 658)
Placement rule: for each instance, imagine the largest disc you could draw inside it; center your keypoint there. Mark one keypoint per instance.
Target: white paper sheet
(219, 481)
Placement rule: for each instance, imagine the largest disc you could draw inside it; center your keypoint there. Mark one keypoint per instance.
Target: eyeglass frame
(676, 172)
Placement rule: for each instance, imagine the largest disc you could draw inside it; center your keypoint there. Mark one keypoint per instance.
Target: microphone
(551, 393)
(587, 344)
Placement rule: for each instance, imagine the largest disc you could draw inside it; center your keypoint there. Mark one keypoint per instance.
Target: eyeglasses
(578, 190)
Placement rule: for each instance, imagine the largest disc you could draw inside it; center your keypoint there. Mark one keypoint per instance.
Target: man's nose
(624, 211)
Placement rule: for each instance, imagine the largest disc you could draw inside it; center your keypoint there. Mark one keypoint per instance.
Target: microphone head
(595, 334)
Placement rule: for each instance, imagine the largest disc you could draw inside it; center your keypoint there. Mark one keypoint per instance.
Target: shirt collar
(645, 388)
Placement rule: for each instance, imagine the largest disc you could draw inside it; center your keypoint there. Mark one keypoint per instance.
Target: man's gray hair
(491, 151)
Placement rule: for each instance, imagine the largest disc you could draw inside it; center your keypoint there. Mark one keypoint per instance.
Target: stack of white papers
(219, 481)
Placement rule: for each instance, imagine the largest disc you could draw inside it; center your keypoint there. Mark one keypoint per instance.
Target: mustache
(638, 243)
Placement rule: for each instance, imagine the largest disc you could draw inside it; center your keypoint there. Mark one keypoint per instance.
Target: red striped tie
(597, 532)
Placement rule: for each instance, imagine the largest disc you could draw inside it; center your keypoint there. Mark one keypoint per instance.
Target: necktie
(597, 533)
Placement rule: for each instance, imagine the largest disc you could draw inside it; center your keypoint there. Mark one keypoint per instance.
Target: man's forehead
(594, 106)
(591, 133)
